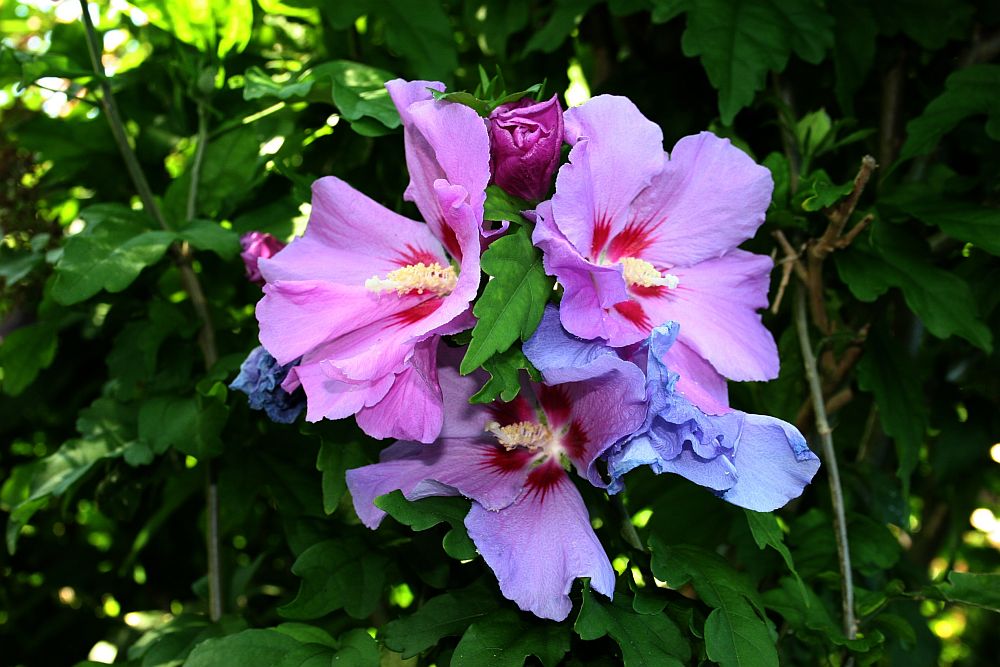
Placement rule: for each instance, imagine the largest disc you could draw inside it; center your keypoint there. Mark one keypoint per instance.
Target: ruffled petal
(716, 305)
(350, 238)
(477, 469)
(616, 153)
(413, 408)
(542, 543)
(709, 198)
(443, 141)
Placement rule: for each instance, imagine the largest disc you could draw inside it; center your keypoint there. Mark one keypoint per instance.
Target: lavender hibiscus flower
(753, 461)
(365, 294)
(528, 519)
(638, 238)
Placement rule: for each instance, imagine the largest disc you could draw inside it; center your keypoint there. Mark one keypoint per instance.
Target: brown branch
(892, 94)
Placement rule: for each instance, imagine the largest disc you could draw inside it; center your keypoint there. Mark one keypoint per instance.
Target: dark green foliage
(114, 422)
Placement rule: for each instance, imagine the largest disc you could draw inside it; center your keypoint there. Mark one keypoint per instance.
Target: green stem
(830, 461)
(189, 279)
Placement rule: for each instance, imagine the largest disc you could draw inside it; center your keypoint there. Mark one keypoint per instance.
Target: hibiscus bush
(384, 332)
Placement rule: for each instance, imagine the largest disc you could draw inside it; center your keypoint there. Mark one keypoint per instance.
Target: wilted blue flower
(260, 379)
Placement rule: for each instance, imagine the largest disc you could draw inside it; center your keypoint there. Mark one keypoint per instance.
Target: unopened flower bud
(258, 245)
(525, 141)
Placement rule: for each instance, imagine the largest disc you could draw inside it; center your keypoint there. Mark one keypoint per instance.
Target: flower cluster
(657, 309)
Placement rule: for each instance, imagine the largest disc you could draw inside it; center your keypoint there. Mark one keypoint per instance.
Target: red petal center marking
(602, 230)
(556, 404)
(518, 410)
(575, 440)
(414, 314)
(653, 292)
(544, 478)
(632, 241)
(634, 313)
(413, 255)
(504, 462)
(450, 240)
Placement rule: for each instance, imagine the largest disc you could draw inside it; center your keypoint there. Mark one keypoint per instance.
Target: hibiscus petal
(709, 198)
(542, 543)
(616, 153)
(327, 398)
(476, 469)
(350, 238)
(443, 141)
(413, 408)
(716, 305)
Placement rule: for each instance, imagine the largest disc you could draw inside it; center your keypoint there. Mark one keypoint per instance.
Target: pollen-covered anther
(640, 273)
(530, 435)
(419, 278)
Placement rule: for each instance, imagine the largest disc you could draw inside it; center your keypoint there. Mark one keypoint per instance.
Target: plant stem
(181, 252)
(830, 460)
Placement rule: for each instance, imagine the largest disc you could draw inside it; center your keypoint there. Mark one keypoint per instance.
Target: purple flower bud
(525, 140)
(258, 245)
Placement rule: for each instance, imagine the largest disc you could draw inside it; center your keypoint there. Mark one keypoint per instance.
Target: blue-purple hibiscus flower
(527, 519)
(753, 461)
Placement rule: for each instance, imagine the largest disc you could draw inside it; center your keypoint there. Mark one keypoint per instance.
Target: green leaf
(874, 549)
(356, 648)
(855, 32)
(565, 16)
(980, 590)
(219, 27)
(740, 41)
(736, 631)
(812, 614)
(250, 648)
(971, 91)
(481, 107)
(359, 91)
(767, 533)
(192, 425)
(888, 372)
(501, 205)
(257, 84)
(108, 255)
(24, 353)
(893, 258)
(504, 381)
(337, 573)
(334, 460)
(978, 225)
(428, 512)
(207, 235)
(512, 303)
(421, 33)
(930, 23)
(644, 639)
(446, 615)
(817, 192)
(30, 486)
(506, 639)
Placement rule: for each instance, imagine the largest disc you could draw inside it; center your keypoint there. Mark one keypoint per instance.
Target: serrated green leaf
(505, 381)
(980, 590)
(446, 615)
(767, 533)
(512, 303)
(644, 639)
(501, 205)
(481, 107)
(359, 91)
(107, 255)
(29, 486)
(207, 235)
(971, 91)
(422, 34)
(258, 84)
(817, 192)
(736, 631)
(429, 512)
(888, 372)
(506, 639)
(338, 573)
(334, 460)
(192, 425)
(812, 613)
(978, 225)
(24, 353)
(941, 299)
(740, 41)
(250, 648)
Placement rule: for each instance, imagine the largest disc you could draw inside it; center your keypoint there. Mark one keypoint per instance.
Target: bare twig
(831, 240)
(830, 461)
(790, 262)
(189, 279)
(892, 93)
